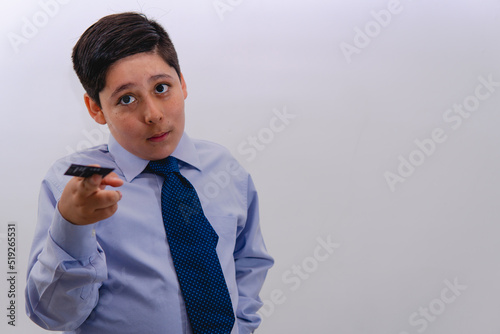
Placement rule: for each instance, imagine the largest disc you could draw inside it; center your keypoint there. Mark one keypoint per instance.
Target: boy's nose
(153, 112)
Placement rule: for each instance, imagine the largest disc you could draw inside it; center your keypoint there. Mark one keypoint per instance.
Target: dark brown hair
(112, 38)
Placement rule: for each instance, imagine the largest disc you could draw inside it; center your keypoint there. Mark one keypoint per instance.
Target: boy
(108, 261)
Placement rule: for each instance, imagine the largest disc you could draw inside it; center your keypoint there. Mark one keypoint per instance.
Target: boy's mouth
(159, 137)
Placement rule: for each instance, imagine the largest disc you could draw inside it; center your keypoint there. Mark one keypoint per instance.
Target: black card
(86, 171)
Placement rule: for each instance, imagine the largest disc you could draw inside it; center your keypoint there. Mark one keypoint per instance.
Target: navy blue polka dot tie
(192, 242)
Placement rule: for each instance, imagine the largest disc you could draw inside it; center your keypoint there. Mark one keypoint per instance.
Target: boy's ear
(94, 110)
(184, 87)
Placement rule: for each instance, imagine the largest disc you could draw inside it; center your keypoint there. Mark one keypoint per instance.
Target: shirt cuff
(78, 241)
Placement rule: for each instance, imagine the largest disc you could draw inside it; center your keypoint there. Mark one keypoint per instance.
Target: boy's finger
(104, 199)
(91, 184)
(101, 214)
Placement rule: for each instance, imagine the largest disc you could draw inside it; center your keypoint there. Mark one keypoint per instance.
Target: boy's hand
(85, 201)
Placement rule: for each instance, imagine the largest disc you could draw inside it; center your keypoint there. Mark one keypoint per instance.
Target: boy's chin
(153, 151)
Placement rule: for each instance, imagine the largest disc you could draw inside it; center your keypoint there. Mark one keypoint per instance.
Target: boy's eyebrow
(121, 88)
(160, 76)
(128, 85)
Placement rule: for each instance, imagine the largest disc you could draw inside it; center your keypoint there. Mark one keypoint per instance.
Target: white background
(353, 118)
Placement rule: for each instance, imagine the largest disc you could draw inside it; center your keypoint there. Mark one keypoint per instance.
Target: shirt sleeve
(252, 262)
(66, 268)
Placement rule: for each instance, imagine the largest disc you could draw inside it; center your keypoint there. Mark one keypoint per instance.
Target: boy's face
(143, 105)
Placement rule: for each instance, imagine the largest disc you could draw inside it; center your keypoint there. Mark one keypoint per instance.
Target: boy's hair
(112, 38)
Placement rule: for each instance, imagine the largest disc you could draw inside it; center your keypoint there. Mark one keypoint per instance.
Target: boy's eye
(161, 88)
(127, 99)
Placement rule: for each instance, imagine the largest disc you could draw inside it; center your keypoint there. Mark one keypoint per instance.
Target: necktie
(192, 242)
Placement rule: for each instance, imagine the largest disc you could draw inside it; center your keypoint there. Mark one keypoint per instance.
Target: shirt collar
(186, 152)
(131, 165)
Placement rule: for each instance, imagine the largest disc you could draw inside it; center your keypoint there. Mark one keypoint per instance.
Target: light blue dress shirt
(117, 275)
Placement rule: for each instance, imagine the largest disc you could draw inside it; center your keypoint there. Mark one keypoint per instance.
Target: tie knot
(164, 166)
